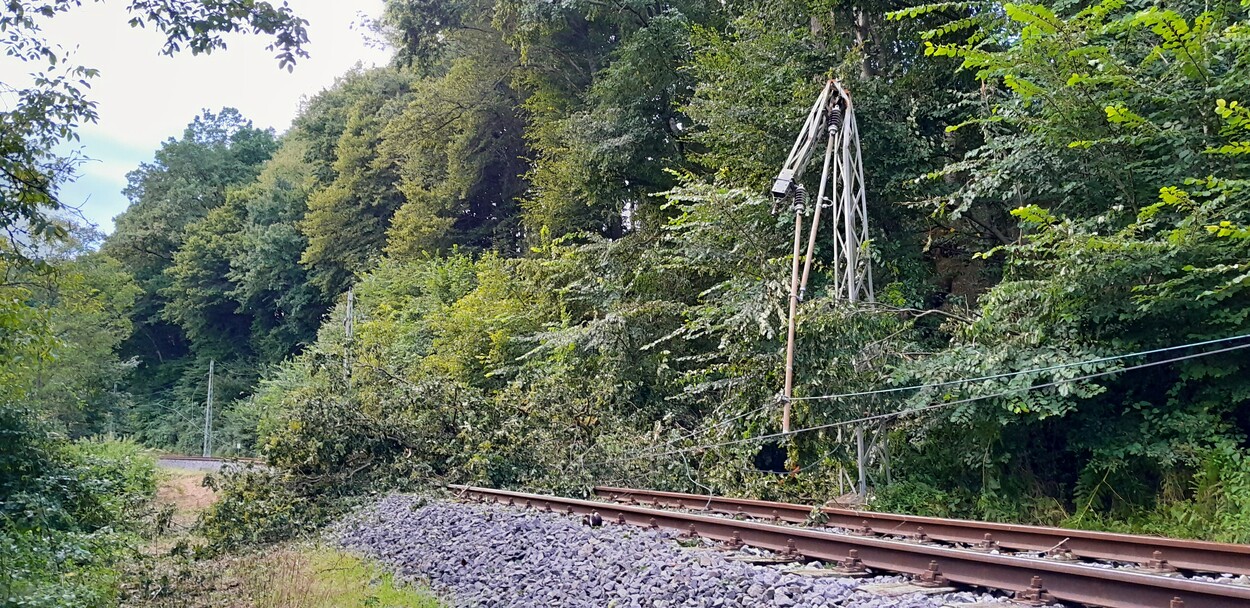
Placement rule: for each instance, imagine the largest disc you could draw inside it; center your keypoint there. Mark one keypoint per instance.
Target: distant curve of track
(203, 463)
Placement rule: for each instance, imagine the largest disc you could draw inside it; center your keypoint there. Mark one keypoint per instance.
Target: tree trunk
(863, 39)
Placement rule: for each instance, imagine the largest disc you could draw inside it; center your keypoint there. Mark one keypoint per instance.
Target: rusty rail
(1062, 581)
(1194, 555)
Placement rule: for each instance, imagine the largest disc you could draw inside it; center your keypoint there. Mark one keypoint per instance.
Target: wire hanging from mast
(842, 190)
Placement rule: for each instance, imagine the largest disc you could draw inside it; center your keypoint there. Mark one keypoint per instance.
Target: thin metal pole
(208, 414)
(860, 458)
(799, 197)
(820, 199)
(348, 329)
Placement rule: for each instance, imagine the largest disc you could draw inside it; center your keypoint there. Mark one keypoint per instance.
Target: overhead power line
(948, 383)
(935, 406)
(1039, 370)
(705, 430)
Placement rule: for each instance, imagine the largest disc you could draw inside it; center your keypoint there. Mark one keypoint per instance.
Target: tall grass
(318, 577)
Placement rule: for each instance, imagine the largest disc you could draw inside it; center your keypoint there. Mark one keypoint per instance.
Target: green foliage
(267, 281)
(62, 320)
(178, 239)
(471, 310)
(458, 145)
(347, 219)
(256, 507)
(70, 514)
(116, 480)
(915, 496)
(188, 179)
(1089, 80)
(602, 159)
(55, 346)
(1129, 203)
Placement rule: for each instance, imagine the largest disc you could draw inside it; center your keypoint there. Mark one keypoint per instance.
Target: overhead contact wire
(935, 406)
(1143, 353)
(696, 432)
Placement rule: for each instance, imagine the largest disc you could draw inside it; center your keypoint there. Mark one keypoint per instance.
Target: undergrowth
(70, 513)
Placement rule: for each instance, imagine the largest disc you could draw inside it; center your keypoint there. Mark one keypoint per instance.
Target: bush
(114, 482)
(1215, 506)
(257, 506)
(915, 497)
(69, 513)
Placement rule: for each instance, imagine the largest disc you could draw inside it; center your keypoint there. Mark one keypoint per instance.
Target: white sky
(145, 97)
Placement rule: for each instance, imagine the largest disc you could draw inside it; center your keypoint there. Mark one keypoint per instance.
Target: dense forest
(537, 250)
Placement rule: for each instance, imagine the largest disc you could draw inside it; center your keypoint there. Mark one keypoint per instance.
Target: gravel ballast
(488, 555)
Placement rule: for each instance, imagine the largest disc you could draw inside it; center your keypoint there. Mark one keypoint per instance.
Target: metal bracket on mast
(832, 118)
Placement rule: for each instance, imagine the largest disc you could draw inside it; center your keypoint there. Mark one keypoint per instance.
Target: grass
(320, 577)
(293, 575)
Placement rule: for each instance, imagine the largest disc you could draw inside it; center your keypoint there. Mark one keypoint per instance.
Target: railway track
(1151, 552)
(170, 456)
(1031, 578)
(209, 463)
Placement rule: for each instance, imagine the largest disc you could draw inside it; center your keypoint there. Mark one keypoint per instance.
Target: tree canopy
(536, 250)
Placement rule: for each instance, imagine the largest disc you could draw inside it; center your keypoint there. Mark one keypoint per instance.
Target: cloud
(144, 98)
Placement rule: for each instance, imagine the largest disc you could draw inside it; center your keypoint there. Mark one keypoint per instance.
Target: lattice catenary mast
(841, 189)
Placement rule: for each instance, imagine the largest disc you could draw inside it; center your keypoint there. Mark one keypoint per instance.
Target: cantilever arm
(801, 152)
(828, 119)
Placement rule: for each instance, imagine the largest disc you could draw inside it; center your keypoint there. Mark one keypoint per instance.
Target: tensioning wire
(674, 441)
(935, 406)
(1025, 371)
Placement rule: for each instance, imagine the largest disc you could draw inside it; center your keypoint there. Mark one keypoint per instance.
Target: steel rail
(166, 456)
(1194, 555)
(1064, 581)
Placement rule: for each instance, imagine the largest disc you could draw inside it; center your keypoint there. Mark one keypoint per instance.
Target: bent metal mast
(841, 189)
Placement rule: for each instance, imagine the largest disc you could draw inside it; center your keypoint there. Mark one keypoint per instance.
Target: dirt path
(167, 575)
(291, 575)
(184, 489)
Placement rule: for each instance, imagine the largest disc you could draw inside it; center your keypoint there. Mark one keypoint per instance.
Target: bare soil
(185, 490)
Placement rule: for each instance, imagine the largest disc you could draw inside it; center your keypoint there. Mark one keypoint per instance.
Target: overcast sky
(145, 98)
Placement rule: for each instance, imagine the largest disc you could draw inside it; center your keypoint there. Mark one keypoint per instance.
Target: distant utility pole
(347, 331)
(208, 414)
(861, 460)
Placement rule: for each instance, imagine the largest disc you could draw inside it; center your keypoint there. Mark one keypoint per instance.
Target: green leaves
(1084, 116)
(913, 12)
(1227, 229)
(198, 25)
(1236, 124)
(72, 512)
(1035, 215)
(1037, 19)
(1120, 114)
(1180, 39)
